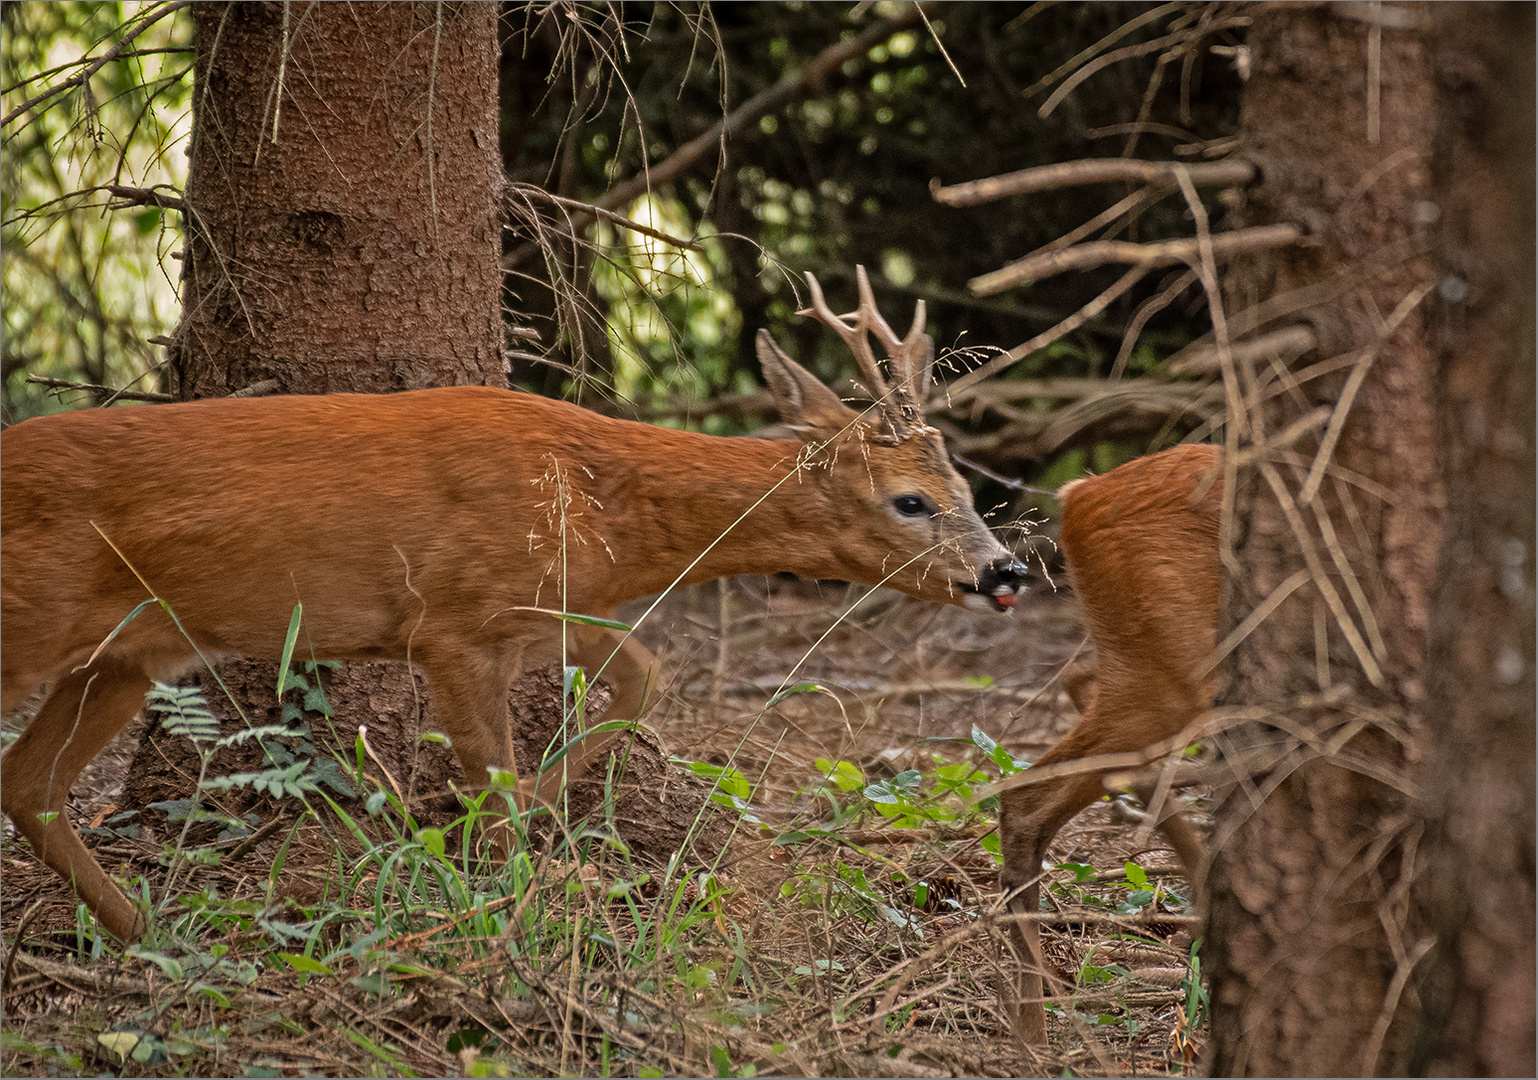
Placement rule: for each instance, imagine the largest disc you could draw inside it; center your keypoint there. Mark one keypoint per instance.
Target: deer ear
(804, 402)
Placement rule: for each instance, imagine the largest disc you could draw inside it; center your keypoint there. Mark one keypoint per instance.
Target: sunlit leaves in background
(672, 322)
(85, 286)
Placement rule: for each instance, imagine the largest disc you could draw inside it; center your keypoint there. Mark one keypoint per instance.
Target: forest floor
(830, 909)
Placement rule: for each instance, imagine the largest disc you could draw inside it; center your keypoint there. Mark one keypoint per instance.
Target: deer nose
(1005, 570)
(1004, 576)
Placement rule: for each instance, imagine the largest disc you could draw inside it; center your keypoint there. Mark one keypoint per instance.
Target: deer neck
(728, 506)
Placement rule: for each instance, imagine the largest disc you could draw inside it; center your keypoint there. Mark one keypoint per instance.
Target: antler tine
(854, 337)
(908, 357)
(917, 352)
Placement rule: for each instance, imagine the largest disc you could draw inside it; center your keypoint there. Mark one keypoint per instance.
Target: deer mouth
(1001, 597)
(997, 588)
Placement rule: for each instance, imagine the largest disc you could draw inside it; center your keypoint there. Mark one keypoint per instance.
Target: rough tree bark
(1315, 844)
(343, 230)
(1476, 895)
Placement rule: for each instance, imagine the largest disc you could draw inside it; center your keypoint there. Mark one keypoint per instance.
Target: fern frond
(183, 711)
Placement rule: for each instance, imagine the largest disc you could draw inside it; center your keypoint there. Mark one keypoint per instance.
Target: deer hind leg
(1080, 683)
(1029, 818)
(470, 689)
(1116, 718)
(82, 712)
(630, 669)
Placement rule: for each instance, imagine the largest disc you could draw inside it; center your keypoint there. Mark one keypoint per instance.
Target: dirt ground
(901, 685)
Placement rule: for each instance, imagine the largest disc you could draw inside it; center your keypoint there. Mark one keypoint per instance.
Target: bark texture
(1476, 895)
(1314, 842)
(342, 230)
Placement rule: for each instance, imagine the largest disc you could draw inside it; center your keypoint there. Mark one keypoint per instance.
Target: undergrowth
(858, 940)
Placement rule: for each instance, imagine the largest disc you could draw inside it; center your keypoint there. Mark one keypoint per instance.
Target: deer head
(885, 476)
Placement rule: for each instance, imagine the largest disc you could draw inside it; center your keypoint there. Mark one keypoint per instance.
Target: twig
(1086, 55)
(99, 390)
(1062, 329)
(1161, 253)
(1081, 916)
(260, 388)
(83, 76)
(1286, 343)
(1234, 172)
(83, 981)
(132, 196)
(534, 191)
(1354, 383)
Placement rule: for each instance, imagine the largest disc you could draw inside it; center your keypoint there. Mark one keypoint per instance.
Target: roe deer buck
(1141, 543)
(440, 526)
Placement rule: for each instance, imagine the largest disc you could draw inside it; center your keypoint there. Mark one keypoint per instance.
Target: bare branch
(102, 393)
(536, 192)
(812, 77)
(1161, 253)
(1286, 343)
(133, 196)
(84, 74)
(1234, 172)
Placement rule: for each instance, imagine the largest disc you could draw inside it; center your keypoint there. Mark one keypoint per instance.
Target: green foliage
(1197, 1004)
(84, 289)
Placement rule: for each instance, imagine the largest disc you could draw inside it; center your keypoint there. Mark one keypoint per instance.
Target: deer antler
(900, 398)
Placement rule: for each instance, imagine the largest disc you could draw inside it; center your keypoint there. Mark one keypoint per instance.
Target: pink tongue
(1007, 600)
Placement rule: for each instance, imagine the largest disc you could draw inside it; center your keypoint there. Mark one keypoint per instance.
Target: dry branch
(1234, 172)
(91, 67)
(1161, 253)
(1286, 343)
(102, 393)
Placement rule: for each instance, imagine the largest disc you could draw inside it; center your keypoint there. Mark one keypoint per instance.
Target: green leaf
(213, 992)
(845, 774)
(287, 656)
(171, 968)
(315, 700)
(120, 1043)
(377, 983)
(799, 688)
(432, 840)
(306, 964)
(1136, 875)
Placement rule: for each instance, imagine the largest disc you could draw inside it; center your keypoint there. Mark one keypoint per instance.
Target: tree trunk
(343, 230)
(1476, 896)
(1313, 844)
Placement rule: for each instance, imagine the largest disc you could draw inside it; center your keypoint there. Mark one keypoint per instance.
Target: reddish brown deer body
(1142, 546)
(428, 525)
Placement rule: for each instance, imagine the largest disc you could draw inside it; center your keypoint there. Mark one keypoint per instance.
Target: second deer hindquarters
(1141, 543)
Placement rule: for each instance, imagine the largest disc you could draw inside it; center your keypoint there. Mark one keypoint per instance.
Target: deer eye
(911, 505)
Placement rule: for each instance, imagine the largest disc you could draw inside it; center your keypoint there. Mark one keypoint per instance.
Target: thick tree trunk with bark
(1337, 514)
(342, 230)
(1476, 895)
